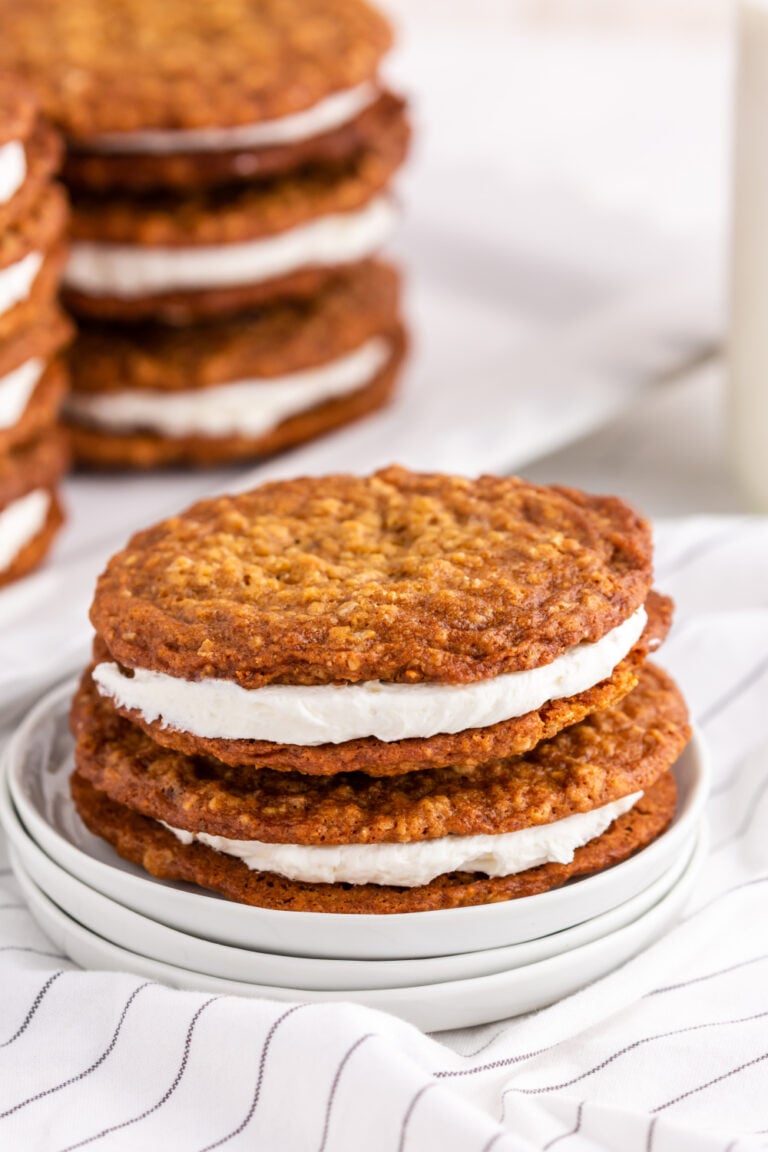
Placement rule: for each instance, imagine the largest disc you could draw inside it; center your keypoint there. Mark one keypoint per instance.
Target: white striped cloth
(667, 1054)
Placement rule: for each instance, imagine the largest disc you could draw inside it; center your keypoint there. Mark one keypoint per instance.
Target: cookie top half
(139, 64)
(398, 576)
(18, 109)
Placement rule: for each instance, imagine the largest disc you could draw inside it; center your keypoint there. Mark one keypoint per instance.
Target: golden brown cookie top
(131, 64)
(43, 158)
(18, 108)
(38, 464)
(396, 576)
(41, 339)
(38, 230)
(290, 336)
(611, 754)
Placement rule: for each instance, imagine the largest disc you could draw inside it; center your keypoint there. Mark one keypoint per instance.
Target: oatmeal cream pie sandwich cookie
(30, 511)
(591, 796)
(238, 387)
(382, 624)
(177, 95)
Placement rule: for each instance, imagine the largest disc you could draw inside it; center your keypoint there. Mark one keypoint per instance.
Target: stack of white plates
(444, 969)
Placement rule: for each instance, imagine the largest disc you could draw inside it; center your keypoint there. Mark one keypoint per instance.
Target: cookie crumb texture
(398, 576)
(39, 464)
(43, 158)
(18, 110)
(134, 64)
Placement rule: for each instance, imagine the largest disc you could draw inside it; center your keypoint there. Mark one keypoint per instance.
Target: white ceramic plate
(131, 930)
(432, 1007)
(39, 761)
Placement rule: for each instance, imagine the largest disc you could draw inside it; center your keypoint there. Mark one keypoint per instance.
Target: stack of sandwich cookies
(238, 386)
(222, 160)
(389, 694)
(33, 332)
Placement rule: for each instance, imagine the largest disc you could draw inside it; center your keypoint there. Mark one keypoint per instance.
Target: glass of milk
(748, 344)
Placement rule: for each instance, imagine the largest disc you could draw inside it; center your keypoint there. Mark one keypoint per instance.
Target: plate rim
(23, 844)
(446, 988)
(132, 885)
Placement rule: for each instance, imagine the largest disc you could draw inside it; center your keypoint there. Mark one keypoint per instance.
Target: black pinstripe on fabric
(753, 677)
(166, 1095)
(715, 1080)
(34, 951)
(259, 1080)
(79, 1076)
(334, 1086)
(650, 1135)
(571, 1131)
(639, 1044)
(493, 1140)
(752, 808)
(488, 1044)
(503, 1114)
(707, 976)
(410, 1111)
(702, 548)
(508, 1061)
(32, 1009)
(502, 1062)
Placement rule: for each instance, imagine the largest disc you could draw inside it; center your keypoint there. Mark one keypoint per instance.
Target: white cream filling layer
(15, 390)
(330, 714)
(20, 522)
(16, 280)
(409, 865)
(131, 270)
(333, 112)
(13, 169)
(241, 408)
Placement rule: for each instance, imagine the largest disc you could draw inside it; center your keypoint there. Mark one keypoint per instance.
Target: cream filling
(16, 280)
(410, 865)
(242, 408)
(332, 112)
(13, 169)
(16, 389)
(133, 270)
(20, 522)
(331, 714)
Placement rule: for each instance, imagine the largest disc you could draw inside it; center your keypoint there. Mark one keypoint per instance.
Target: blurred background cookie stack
(33, 332)
(230, 168)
